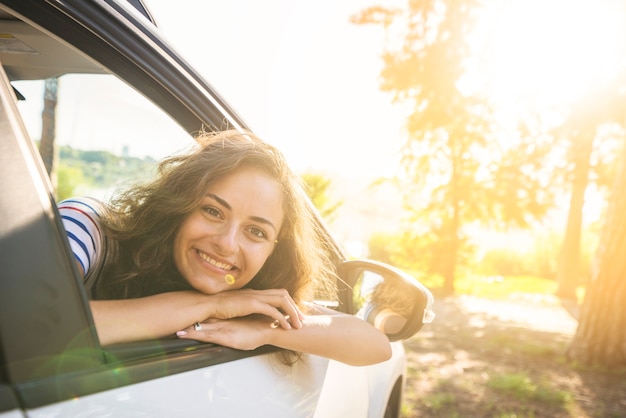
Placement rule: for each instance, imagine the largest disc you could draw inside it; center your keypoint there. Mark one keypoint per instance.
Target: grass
(469, 364)
(511, 343)
(437, 401)
(521, 387)
(498, 287)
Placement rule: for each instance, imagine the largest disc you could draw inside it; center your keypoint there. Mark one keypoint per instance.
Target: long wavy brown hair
(142, 223)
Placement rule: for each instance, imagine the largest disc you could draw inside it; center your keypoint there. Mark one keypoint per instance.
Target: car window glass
(363, 289)
(106, 134)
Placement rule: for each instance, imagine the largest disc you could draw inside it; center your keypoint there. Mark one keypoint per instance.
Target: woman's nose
(227, 240)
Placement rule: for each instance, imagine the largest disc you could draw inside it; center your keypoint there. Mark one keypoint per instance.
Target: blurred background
(448, 138)
(458, 137)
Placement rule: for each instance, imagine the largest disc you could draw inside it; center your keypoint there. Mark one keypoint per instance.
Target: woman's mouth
(213, 262)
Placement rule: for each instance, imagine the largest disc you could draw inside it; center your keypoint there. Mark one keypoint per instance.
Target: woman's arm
(161, 315)
(241, 319)
(126, 320)
(344, 338)
(327, 333)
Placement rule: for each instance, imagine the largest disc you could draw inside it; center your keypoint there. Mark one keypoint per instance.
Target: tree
(601, 335)
(48, 124)
(69, 179)
(456, 175)
(317, 190)
(601, 105)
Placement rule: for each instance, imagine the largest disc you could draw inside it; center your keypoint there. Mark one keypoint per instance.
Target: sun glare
(545, 53)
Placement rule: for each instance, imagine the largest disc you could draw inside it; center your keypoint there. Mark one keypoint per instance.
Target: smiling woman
(220, 247)
(241, 216)
(549, 53)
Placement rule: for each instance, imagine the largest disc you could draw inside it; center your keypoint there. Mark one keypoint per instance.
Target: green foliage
(317, 186)
(68, 181)
(495, 273)
(537, 259)
(537, 350)
(501, 287)
(456, 171)
(503, 261)
(437, 401)
(80, 170)
(408, 251)
(494, 287)
(418, 251)
(522, 387)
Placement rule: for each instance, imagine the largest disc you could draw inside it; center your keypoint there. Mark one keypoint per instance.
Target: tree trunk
(568, 273)
(601, 335)
(450, 260)
(48, 118)
(452, 227)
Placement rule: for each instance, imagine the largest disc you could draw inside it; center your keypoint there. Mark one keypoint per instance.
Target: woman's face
(232, 232)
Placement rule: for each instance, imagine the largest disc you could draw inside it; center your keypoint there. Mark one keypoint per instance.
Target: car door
(57, 367)
(52, 362)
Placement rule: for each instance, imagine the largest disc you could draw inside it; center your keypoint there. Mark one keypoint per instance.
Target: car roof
(28, 54)
(39, 40)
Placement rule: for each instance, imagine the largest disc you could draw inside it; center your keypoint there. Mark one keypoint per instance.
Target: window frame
(68, 361)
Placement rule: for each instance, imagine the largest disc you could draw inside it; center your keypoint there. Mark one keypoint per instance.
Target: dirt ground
(504, 358)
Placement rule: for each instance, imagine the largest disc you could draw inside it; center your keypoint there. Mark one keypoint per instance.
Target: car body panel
(312, 387)
(212, 391)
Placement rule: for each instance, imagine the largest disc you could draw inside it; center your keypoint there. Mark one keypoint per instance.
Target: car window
(106, 134)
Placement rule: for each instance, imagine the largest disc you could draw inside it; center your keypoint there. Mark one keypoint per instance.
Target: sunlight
(547, 53)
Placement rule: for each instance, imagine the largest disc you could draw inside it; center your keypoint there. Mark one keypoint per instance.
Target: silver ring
(197, 326)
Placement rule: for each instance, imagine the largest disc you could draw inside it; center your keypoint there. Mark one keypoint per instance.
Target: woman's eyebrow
(254, 218)
(264, 221)
(219, 200)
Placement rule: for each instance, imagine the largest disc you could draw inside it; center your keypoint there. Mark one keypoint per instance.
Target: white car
(121, 87)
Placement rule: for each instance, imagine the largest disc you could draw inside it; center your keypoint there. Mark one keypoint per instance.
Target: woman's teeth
(215, 263)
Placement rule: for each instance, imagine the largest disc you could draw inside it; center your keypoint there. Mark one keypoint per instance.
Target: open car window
(106, 135)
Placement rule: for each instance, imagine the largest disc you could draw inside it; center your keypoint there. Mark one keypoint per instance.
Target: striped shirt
(80, 219)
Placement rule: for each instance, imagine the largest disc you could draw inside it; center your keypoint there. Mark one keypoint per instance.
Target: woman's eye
(258, 233)
(210, 210)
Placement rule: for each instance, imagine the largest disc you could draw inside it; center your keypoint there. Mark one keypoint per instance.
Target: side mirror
(386, 297)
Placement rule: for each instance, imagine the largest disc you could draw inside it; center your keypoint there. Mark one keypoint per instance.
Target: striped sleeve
(80, 219)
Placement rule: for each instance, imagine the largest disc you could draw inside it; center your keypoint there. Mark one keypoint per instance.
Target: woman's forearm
(157, 316)
(340, 337)
(343, 338)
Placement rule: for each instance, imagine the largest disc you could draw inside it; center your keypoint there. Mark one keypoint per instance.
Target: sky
(299, 73)
(307, 80)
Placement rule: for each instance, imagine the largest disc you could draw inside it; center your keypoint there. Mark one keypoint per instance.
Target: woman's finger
(275, 303)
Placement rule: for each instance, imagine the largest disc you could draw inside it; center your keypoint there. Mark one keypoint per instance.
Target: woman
(220, 248)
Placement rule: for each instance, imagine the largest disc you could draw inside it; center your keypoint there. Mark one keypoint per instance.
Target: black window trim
(134, 50)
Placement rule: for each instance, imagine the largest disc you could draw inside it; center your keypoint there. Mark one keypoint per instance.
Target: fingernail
(181, 333)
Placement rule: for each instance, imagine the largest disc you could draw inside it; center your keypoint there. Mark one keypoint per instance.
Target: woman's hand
(157, 316)
(330, 334)
(245, 333)
(273, 303)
